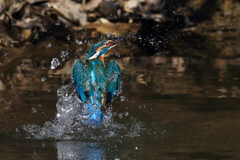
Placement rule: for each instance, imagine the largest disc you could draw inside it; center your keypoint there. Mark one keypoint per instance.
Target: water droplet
(79, 42)
(109, 35)
(64, 55)
(34, 110)
(123, 98)
(68, 37)
(126, 113)
(48, 45)
(43, 79)
(55, 62)
(113, 77)
(111, 133)
(118, 92)
(23, 61)
(116, 53)
(120, 115)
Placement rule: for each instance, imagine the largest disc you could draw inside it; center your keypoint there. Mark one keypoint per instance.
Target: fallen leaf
(91, 5)
(70, 10)
(16, 6)
(2, 6)
(132, 6)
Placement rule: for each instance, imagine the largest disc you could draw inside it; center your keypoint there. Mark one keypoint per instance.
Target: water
(64, 55)
(169, 108)
(72, 121)
(55, 62)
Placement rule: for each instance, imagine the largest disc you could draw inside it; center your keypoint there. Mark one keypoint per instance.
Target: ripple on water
(72, 122)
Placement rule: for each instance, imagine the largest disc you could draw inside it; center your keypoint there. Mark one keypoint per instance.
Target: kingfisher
(97, 82)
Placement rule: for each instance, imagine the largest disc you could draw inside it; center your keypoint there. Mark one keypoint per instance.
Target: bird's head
(98, 50)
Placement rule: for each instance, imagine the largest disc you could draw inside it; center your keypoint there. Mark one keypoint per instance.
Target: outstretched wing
(113, 82)
(80, 75)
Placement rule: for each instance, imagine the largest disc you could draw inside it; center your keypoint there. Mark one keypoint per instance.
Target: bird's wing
(80, 75)
(113, 74)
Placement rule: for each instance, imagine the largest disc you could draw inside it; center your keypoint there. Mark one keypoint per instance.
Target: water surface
(181, 108)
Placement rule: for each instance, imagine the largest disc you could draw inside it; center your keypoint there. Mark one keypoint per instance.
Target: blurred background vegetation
(190, 27)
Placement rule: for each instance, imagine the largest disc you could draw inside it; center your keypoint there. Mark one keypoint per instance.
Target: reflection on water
(79, 150)
(166, 75)
(185, 76)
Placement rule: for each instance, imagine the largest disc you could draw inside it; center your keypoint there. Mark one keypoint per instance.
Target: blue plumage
(97, 84)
